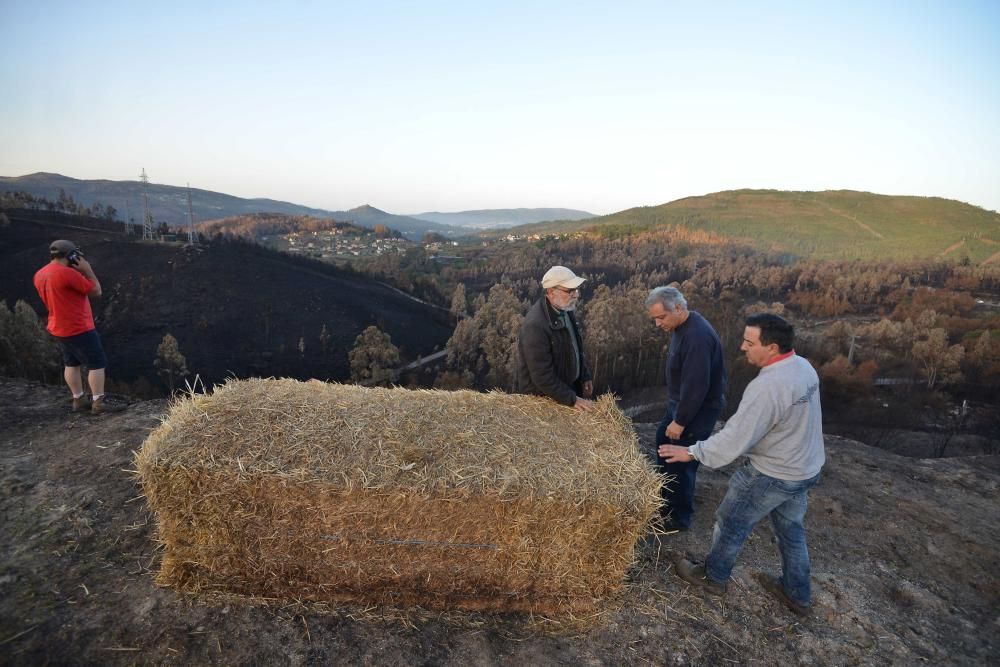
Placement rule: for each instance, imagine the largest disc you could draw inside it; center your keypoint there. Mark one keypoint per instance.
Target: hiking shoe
(694, 573)
(101, 406)
(774, 586)
(81, 404)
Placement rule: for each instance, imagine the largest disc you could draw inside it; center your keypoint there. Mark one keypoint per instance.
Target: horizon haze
(443, 107)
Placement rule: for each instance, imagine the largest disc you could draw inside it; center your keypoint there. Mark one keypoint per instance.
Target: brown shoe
(694, 573)
(81, 404)
(774, 586)
(100, 406)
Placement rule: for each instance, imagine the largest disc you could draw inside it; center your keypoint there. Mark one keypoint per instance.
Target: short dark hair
(773, 329)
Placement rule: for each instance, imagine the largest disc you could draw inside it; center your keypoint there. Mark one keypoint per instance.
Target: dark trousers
(678, 494)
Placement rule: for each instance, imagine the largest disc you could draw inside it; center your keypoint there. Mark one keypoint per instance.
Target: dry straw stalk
(316, 491)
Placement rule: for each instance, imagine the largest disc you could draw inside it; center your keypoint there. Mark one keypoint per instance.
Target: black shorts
(83, 349)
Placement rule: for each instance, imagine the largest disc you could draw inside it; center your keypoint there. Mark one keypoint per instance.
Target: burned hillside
(235, 308)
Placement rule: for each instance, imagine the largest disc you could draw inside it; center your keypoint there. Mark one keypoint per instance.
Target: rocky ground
(904, 565)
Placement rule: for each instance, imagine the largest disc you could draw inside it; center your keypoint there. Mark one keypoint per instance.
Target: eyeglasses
(568, 291)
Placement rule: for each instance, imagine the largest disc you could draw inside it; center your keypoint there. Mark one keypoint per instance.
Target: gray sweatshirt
(779, 424)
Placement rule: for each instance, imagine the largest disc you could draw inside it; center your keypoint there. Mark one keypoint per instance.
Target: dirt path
(853, 219)
(905, 555)
(952, 248)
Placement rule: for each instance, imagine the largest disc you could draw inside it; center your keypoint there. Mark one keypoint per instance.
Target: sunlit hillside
(841, 224)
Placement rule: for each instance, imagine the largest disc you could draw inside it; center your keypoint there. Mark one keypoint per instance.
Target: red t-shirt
(64, 292)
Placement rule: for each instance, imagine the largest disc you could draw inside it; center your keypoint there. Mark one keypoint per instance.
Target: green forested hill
(830, 224)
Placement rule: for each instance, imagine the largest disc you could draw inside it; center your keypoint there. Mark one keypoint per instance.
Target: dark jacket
(696, 371)
(545, 361)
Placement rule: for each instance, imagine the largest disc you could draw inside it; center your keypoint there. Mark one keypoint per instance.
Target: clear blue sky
(418, 106)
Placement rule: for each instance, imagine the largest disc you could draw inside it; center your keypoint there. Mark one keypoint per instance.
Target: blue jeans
(678, 495)
(751, 496)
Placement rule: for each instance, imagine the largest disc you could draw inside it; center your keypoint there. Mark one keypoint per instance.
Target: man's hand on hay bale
(583, 404)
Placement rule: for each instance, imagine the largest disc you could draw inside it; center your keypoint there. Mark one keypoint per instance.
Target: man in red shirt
(65, 285)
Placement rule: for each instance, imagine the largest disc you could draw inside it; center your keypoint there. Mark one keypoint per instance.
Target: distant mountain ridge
(497, 218)
(169, 203)
(833, 224)
(411, 228)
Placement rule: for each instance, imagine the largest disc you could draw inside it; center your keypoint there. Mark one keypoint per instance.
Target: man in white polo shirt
(779, 427)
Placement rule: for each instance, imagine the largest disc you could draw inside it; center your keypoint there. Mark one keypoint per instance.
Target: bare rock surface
(905, 562)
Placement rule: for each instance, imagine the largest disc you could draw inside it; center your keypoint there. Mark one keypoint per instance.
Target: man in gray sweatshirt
(778, 426)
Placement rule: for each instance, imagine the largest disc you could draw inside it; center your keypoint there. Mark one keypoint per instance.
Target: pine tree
(324, 339)
(459, 304)
(984, 359)
(170, 363)
(839, 336)
(26, 349)
(8, 355)
(941, 362)
(982, 353)
(463, 346)
(499, 324)
(373, 356)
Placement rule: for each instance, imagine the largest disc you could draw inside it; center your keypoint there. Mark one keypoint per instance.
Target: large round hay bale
(308, 490)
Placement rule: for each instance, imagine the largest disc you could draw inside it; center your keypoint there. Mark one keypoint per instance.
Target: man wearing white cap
(550, 359)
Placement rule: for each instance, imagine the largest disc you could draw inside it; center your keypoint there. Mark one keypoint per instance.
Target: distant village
(348, 243)
(337, 244)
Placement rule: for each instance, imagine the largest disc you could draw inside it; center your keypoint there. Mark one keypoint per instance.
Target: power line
(147, 219)
(190, 217)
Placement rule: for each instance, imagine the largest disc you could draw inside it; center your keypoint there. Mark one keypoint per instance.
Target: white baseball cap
(560, 276)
